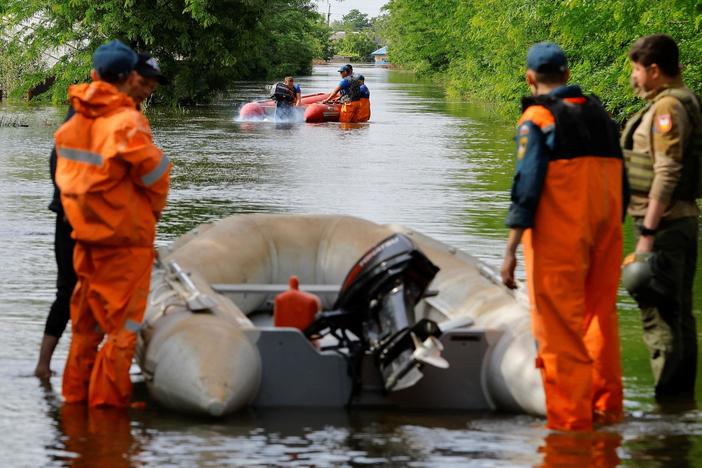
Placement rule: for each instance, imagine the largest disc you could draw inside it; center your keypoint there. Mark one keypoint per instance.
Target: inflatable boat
(258, 110)
(323, 112)
(405, 321)
(326, 112)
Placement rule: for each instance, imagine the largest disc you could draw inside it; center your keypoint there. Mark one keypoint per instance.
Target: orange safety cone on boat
(295, 308)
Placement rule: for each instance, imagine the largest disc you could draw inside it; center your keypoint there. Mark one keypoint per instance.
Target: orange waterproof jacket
(113, 179)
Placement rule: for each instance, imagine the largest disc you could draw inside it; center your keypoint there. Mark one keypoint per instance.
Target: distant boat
(258, 110)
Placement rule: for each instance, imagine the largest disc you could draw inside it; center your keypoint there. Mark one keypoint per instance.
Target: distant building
(380, 56)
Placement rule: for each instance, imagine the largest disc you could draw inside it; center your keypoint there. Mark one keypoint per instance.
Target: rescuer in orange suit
(113, 183)
(364, 112)
(568, 199)
(349, 89)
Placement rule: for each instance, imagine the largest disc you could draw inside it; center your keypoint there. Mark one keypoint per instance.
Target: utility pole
(328, 12)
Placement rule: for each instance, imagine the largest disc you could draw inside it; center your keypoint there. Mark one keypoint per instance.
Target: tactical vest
(281, 92)
(581, 129)
(353, 93)
(640, 165)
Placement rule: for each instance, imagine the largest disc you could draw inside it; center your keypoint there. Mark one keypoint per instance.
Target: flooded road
(442, 168)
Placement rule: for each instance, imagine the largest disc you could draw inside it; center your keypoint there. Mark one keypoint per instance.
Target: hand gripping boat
(258, 110)
(406, 321)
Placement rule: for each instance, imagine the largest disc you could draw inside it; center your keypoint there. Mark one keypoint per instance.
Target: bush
(479, 46)
(203, 45)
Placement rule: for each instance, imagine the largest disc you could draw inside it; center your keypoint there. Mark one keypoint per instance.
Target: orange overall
(364, 112)
(573, 255)
(113, 183)
(349, 112)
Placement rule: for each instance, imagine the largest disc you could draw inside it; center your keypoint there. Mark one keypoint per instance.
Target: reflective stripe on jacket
(113, 179)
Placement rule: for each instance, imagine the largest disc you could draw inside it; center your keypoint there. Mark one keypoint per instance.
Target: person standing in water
(663, 147)
(113, 183)
(287, 96)
(364, 112)
(568, 198)
(59, 312)
(349, 89)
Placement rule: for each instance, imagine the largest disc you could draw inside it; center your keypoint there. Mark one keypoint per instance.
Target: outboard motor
(376, 305)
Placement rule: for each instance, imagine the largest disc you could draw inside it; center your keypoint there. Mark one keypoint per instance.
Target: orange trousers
(349, 112)
(364, 111)
(107, 307)
(572, 257)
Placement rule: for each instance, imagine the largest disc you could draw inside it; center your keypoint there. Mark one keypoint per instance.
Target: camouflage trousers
(669, 329)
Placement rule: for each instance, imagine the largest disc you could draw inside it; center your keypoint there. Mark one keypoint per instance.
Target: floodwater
(443, 168)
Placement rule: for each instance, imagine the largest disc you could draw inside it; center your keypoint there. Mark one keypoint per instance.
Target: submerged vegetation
(203, 45)
(479, 46)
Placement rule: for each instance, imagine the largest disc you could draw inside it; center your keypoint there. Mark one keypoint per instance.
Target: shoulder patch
(521, 149)
(664, 123)
(524, 130)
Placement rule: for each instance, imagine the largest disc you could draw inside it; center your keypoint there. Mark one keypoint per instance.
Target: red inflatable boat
(322, 112)
(331, 111)
(266, 108)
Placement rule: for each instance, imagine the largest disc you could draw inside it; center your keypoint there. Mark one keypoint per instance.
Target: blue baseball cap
(114, 60)
(546, 57)
(345, 68)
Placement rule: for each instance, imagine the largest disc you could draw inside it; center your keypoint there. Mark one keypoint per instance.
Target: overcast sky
(340, 8)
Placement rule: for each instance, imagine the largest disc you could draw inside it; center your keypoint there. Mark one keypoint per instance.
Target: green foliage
(358, 46)
(378, 26)
(323, 45)
(479, 46)
(354, 20)
(203, 45)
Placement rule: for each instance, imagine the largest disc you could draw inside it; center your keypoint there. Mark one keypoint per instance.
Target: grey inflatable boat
(406, 321)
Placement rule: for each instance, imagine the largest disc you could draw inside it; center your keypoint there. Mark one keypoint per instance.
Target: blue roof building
(380, 56)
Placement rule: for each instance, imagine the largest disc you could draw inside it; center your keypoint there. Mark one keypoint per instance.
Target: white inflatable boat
(407, 321)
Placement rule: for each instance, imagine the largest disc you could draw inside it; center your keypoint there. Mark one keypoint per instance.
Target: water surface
(441, 167)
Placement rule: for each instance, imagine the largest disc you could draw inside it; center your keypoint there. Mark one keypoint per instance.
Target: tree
(358, 46)
(354, 20)
(478, 47)
(204, 45)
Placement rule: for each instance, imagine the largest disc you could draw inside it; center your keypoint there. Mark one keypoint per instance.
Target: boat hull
(240, 261)
(259, 110)
(196, 362)
(320, 112)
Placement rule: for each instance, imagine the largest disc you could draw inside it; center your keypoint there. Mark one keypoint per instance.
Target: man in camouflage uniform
(662, 146)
